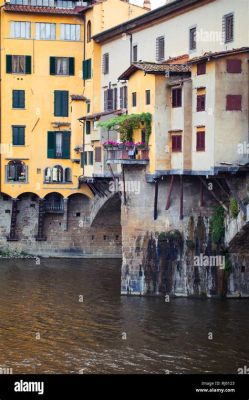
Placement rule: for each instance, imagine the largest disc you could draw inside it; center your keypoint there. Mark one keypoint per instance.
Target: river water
(67, 316)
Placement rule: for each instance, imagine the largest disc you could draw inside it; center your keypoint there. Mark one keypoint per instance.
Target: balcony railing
(56, 207)
(49, 3)
(127, 156)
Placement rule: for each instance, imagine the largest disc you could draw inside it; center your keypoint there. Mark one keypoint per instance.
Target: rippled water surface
(44, 300)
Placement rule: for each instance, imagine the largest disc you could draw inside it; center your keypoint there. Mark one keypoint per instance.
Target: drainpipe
(131, 43)
(84, 43)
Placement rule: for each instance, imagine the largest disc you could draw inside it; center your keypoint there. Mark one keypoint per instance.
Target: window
(110, 99)
(234, 66)
(89, 32)
(228, 28)
(201, 102)
(59, 144)
(176, 97)
(106, 63)
(134, 99)
(16, 171)
(86, 158)
(61, 103)
(18, 98)
(201, 68)
(57, 174)
(192, 39)
(97, 154)
(18, 64)
(200, 141)
(70, 32)
(68, 175)
(20, 29)
(147, 97)
(88, 107)
(160, 48)
(90, 157)
(87, 69)
(134, 53)
(233, 102)
(123, 97)
(88, 127)
(18, 135)
(176, 143)
(61, 65)
(45, 31)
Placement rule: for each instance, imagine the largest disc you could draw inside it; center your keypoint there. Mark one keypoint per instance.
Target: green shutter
(52, 65)
(87, 69)
(64, 105)
(66, 144)
(51, 145)
(18, 135)
(71, 65)
(27, 64)
(15, 99)
(8, 64)
(91, 157)
(83, 158)
(57, 103)
(21, 98)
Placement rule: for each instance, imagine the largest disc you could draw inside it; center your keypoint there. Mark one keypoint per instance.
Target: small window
(68, 175)
(233, 102)
(18, 99)
(200, 141)
(234, 66)
(160, 48)
(20, 29)
(228, 28)
(147, 97)
(192, 39)
(123, 97)
(61, 65)
(84, 158)
(61, 103)
(88, 107)
(201, 102)
(134, 53)
(58, 144)
(88, 127)
(201, 68)
(18, 64)
(176, 143)
(18, 135)
(70, 32)
(176, 97)
(89, 32)
(97, 154)
(134, 99)
(106, 64)
(45, 31)
(16, 171)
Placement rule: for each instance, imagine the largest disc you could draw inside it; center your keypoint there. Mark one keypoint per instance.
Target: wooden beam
(221, 188)
(169, 193)
(213, 194)
(181, 197)
(156, 199)
(123, 176)
(201, 195)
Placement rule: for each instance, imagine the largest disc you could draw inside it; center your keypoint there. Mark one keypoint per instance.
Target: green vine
(125, 124)
(234, 208)
(217, 225)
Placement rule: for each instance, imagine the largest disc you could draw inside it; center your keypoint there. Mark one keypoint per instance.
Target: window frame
(52, 33)
(134, 99)
(106, 64)
(200, 148)
(160, 49)
(135, 52)
(175, 146)
(147, 97)
(63, 33)
(176, 99)
(22, 127)
(27, 29)
(192, 38)
(18, 92)
(228, 36)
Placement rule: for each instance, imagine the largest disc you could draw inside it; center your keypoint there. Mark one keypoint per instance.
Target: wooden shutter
(61, 103)
(201, 68)
(233, 102)
(65, 103)
(27, 64)
(234, 66)
(97, 154)
(18, 98)
(18, 138)
(121, 97)
(91, 157)
(200, 141)
(160, 45)
(176, 143)
(52, 66)
(228, 27)
(176, 97)
(83, 158)
(8, 64)
(105, 100)
(51, 149)
(66, 145)
(87, 69)
(57, 103)
(21, 98)
(125, 97)
(110, 99)
(115, 99)
(71, 66)
(201, 102)
(134, 99)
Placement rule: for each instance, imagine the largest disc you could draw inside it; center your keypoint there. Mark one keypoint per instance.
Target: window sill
(16, 182)
(19, 108)
(57, 183)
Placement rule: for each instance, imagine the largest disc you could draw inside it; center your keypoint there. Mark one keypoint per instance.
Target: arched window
(48, 174)
(57, 173)
(16, 171)
(89, 32)
(68, 175)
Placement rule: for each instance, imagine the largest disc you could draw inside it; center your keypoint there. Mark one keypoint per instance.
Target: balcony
(127, 156)
(54, 207)
(50, 3)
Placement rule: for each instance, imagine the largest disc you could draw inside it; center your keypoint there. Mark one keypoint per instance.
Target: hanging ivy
(217, 225)
(125, 125)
